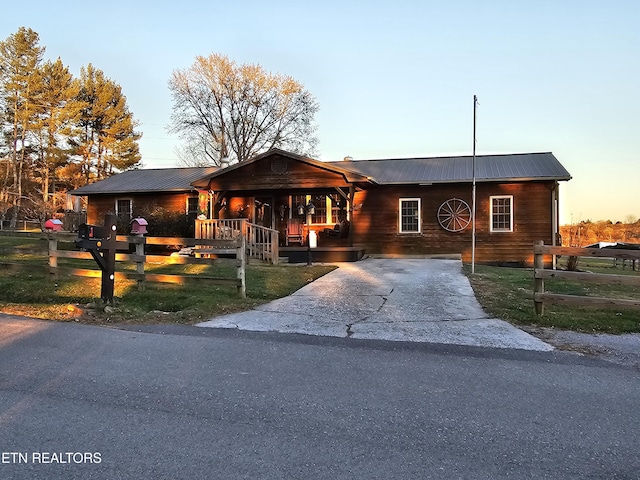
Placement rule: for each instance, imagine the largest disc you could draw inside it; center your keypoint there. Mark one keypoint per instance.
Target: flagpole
(473, 194)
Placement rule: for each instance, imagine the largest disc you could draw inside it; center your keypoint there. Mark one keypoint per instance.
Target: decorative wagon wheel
(454, 215)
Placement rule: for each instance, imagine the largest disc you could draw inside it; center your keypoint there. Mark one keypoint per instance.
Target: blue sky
(394, 79)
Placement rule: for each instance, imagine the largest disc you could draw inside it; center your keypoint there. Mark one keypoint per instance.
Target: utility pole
(473, 194)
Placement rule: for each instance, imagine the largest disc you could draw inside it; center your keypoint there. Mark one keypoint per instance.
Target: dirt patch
(623, 349)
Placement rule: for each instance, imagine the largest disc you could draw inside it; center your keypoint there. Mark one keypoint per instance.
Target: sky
(393, 79)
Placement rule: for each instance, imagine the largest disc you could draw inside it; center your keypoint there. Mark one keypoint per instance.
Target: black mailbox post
(100, 241)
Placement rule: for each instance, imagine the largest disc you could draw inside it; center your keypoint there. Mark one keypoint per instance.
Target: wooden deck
(326, 254)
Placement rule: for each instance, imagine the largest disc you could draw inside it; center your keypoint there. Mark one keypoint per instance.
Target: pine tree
(20, 57)
(108, 138)
(58, 116)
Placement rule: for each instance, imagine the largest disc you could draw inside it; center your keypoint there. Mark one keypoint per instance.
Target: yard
(507, 293)
(32, 291)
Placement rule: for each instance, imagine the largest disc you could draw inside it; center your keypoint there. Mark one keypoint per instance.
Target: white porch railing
(221, 229)
(262, 242)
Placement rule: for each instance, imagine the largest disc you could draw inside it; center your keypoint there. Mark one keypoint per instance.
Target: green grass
(37, 294)
(507, 293)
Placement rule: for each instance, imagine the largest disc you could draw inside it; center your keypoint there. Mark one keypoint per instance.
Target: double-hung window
(192, 206)
(409, 218)
(124, 208)
(320, 206)
(501, 213)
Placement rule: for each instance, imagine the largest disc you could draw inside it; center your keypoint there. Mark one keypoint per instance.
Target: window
(192, 206)
(327, 208)
(409, 215)
(124, 208)
(501, 213)
(337, 210)
(320, 206)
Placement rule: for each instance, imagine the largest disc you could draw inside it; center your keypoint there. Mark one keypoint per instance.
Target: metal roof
(510, 167)
(426, 170)
(146, 181)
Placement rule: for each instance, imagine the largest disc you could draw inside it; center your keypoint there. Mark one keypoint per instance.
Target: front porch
(287, 202)
(264, 243)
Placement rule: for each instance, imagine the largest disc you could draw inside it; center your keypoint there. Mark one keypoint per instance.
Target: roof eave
(130, 192)
(524, 179)
(426, 182)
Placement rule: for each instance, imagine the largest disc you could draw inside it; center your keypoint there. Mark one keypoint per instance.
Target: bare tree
(196, 151)
(222, 109)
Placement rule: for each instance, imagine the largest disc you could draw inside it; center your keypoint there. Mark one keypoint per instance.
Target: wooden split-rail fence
(202, 250)
(540, 297)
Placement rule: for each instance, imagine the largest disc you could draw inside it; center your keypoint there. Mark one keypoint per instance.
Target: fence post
(538, 283)
(53, 259)
(275, 251)
(140, 263)
(241, 259)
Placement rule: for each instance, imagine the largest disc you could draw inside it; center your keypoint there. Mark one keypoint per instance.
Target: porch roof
(349, 175)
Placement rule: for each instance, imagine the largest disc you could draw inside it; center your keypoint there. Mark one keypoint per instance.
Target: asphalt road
(194, 403)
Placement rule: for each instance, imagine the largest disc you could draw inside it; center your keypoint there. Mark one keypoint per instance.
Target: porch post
(352, 194)
(555, 220)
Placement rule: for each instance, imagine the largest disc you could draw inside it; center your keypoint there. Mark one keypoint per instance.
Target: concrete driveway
(417, 300)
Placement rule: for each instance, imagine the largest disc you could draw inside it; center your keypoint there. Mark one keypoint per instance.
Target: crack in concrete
(384, 300)
(365, 318)
(418, 321)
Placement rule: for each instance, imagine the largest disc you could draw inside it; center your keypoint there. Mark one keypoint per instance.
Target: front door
(263, 211)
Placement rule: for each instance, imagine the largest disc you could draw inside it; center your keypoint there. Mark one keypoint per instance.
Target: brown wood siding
(375, 221)
(273, 173)
(98, 205)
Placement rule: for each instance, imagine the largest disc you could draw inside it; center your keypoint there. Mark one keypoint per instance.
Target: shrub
(166, 223)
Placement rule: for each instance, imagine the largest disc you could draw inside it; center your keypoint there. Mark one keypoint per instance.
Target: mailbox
(92, 236)
(93, 232)
(53, 224)
(100, 241)
(139, 226)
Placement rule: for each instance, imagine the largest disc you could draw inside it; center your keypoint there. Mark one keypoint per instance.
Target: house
(134, 192)
(406, 206)
(409, 206)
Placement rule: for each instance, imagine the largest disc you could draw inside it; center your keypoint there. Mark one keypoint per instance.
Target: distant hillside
(587, 232)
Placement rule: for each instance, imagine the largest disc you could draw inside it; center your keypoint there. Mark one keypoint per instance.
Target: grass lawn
(507, 293)
(37, 294)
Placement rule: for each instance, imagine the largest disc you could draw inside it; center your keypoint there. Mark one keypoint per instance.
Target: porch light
(300, 209)
(311, 208)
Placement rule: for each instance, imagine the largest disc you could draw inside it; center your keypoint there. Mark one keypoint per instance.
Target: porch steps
(322, 254)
